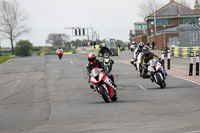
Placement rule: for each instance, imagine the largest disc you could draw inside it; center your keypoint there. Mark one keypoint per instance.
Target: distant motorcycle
(60, 54)
(107, 63)
(98, 78)
(157, 72)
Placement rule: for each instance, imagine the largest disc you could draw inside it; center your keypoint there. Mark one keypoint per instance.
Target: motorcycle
(60, 54)
(107, 63)
(157, 72)
(137, 62)
(100, 83)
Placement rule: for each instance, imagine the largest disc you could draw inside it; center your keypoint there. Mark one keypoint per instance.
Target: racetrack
(46, 95)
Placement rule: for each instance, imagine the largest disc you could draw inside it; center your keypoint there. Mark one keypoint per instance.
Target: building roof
(140, 23)
(173, 9)
(184, 27)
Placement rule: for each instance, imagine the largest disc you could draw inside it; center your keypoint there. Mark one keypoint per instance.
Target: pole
(168, 59)
(191, 63)
(197, 63)
(163, 59)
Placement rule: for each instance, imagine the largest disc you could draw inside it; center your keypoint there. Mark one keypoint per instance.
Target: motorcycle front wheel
(104, 94)
(160, 81)
(114, 98)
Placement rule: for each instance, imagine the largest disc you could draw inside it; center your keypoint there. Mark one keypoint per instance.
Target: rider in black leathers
(104, 49)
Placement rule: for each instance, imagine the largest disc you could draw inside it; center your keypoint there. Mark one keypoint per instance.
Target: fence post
(197, 63)
(168, 59)
(191, 63)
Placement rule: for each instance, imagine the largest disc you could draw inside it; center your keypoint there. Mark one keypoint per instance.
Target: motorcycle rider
(104, 49)
(146, 57)
(137, 51)
(95, 63)
(59, 49)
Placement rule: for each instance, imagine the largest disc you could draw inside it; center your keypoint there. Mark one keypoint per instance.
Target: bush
(23, 48)
(46, 50)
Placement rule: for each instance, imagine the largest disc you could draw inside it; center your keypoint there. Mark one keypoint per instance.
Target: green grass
(5, 58)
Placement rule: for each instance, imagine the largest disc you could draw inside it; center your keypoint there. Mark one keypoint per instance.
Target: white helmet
(103, 45)
(141, 44)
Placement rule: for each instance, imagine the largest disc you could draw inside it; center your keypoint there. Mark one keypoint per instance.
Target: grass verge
(5, 58)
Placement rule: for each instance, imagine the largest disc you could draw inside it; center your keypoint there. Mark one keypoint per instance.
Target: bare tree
(12, 21)
(183, 2)
(57, 39)
(147, 7)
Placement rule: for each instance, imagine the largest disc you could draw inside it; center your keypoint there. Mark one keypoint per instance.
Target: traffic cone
(158, 53)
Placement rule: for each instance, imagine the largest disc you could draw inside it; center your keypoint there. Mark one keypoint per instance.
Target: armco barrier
(183, 52)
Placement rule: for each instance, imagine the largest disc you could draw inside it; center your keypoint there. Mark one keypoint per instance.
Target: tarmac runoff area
(179, 67)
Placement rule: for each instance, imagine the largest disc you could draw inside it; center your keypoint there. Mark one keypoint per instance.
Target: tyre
(114, 98)
(60, 56)
(140, 68)
(160, 81)
(104, 94)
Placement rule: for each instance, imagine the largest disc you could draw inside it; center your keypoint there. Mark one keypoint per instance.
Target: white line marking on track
(72, 63)
(18, 82)
(141, 87)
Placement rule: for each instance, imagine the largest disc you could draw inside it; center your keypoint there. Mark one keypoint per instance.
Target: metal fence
(189, 38)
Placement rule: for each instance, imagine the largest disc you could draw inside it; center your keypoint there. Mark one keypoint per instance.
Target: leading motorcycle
(101, 83)
(157, 72)
(60, 54)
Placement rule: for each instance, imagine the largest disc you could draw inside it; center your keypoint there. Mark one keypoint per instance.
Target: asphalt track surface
(47, 95)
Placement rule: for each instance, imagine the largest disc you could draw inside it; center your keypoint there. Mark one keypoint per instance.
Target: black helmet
(91, 58)
(145, 50)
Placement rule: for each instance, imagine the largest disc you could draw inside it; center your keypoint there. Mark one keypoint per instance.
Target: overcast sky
(110, 18)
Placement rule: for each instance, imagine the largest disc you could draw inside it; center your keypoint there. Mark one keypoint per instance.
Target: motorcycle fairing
(93, 80)
(101, 76)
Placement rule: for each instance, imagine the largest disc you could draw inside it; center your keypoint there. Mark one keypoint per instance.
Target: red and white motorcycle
(102, 85)
(60, 54)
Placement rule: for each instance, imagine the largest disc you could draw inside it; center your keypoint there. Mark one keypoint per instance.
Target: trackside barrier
(183, 52)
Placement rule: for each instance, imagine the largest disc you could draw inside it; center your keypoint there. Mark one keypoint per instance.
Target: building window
(169, 22)
(181, 21)
(160, 22)
(188, 20)
(139, 27)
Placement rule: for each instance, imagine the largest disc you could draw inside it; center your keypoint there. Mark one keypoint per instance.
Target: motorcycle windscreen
(106, 55)
(95, 72)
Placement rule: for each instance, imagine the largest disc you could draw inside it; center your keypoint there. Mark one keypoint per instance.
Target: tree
(57, 40)
(23, 47)
(12, 21)
(147, 7)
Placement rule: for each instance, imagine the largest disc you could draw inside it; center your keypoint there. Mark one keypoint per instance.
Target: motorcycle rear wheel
(104, 94)
(160, 81)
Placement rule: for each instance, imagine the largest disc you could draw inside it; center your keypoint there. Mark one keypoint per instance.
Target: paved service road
(47, 95)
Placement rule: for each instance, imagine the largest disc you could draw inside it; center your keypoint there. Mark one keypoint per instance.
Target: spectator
(153, 45)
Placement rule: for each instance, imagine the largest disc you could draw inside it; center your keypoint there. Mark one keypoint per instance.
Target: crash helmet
(141, 45)
(145, 50)
(103, 45)
(91, 58)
